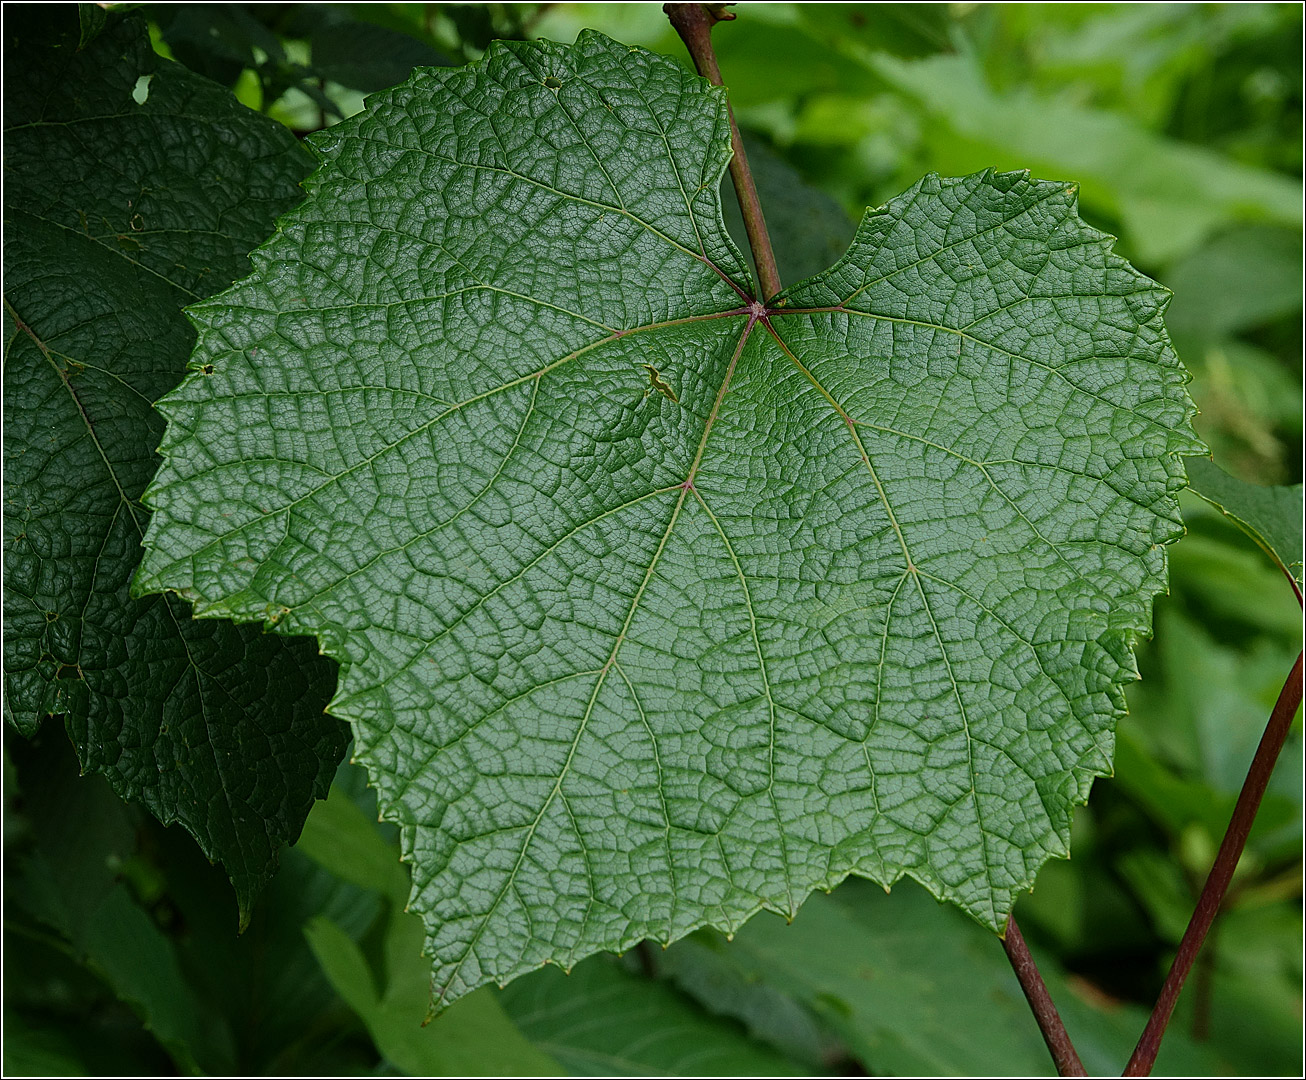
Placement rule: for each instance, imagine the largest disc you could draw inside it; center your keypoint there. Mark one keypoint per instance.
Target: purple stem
(694, 22)
(1217, 882)
(1040, 1003)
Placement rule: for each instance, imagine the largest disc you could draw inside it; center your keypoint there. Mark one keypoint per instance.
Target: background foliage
(1182, 123)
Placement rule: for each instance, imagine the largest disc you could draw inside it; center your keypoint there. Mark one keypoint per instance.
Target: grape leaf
(116, 215)
(655, 605)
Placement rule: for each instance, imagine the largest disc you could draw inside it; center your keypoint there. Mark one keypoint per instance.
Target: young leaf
(857, 597)
(1272, 516)
(116, 215)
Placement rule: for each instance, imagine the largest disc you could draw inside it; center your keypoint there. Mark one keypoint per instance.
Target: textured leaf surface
(116, 215)
(654, 606)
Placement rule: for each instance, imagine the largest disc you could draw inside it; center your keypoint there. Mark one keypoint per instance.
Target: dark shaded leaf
(116, 215)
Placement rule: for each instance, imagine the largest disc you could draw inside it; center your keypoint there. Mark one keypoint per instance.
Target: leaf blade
(610, 652)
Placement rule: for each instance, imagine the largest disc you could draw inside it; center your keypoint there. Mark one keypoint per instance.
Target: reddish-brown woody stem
(1045, 1012)
(694, 22)
(1217, 882)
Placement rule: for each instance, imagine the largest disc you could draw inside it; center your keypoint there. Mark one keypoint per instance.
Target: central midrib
(685, 488)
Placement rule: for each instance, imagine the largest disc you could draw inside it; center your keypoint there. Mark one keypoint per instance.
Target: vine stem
(1226, 860)
(694, 22)
(1045, 1012)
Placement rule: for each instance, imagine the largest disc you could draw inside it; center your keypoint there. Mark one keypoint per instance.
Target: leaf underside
(856, 596)
(117, 214)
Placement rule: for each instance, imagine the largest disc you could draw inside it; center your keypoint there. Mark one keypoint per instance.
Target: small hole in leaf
(552, 82)
(656, 382)
(141, 91)
(207, 369)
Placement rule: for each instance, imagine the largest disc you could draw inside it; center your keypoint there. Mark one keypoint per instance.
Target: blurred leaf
(285, 1016)
(38, 1051)
(339, 837)
(1250, 406)
(1272, 516)
(772, 52)
(1158, 881)
(256, 1003)
(1245, 98)
(357, 52)
(603, 1021)
(1057, 908)
(1177, 802)
(1225, 641)
(1255, 1010)
(368, 57)
(474, 22)
(1240, 279)
(68, 882)
(1219, 692)
(917, 990)
(1231, 587)
(344, 963)
(1169, 195)
(218, 41)
(769, 1012)
(1135, 57)
(91, 18)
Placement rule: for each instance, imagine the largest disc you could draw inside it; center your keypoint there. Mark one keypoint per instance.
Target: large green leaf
(656, 606)
(116, 215)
